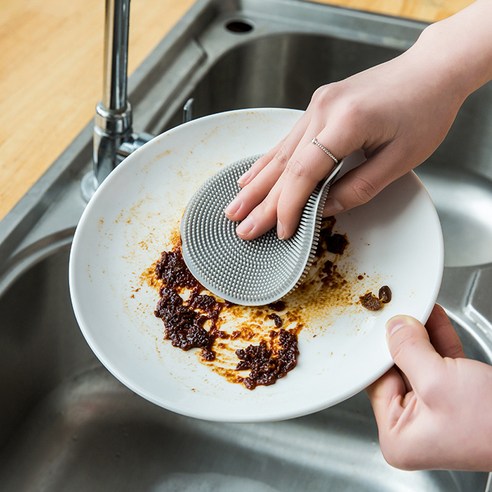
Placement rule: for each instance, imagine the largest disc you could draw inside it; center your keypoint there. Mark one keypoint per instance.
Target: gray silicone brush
(249, 273)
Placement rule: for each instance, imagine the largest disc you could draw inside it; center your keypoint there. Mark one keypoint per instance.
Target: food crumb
(385, 294)
(277, 305)
(373, 303)
(276, 319)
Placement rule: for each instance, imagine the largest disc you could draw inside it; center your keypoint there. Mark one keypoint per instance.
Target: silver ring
(324, 149)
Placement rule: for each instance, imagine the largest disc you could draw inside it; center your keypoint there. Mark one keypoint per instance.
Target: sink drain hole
(239, 26)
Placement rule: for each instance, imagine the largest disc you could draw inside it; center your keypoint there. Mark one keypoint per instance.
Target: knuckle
(318, 95)
(324, 94)
(297, 168)
(352, 113)
(363, 189)
(281, 157)
(350, 110)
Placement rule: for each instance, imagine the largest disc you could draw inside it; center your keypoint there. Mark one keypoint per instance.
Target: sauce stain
(248, 345)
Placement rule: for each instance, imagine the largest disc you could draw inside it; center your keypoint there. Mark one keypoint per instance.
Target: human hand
(433, 408)
(397, 113)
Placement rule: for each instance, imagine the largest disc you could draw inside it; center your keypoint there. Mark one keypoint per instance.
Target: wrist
(458, 50)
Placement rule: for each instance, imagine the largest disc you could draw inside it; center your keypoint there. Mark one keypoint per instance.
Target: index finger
(442, 334)
(387, 396)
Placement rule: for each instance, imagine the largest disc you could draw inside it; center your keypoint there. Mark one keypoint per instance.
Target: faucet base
(90, 181)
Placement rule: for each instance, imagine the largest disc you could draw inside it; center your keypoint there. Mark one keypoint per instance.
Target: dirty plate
(394, 240)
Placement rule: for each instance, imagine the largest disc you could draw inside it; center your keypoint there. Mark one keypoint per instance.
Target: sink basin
(67, 424)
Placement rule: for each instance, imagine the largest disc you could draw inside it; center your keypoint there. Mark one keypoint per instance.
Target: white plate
(396, 240)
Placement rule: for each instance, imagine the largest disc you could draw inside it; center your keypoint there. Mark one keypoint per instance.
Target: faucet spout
(113, 137)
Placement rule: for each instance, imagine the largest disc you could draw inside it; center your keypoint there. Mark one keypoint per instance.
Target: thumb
(411, 349)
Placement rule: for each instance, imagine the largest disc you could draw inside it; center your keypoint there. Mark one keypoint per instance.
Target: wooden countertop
(51, 71)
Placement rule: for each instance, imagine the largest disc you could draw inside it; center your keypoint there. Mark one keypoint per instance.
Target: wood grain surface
(51, 71)
(425, 10)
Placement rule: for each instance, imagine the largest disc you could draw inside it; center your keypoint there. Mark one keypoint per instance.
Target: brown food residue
(269, 360)
(185, 320)
(248, 345)
(385, 294)
(373, 303)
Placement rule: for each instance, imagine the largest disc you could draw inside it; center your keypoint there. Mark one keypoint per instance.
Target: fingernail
(232, 208)
(280, 230)
(396, 323)
(245, 178)
(332, 207)
(245, 228)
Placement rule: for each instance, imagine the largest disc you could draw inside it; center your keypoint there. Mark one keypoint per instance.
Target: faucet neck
(117, 24)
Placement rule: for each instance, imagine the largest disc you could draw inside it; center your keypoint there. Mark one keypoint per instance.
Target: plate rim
(169, 404)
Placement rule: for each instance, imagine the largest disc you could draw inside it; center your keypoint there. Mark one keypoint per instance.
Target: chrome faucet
(113, 137)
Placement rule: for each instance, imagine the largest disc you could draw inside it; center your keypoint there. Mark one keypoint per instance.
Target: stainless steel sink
(67, 424)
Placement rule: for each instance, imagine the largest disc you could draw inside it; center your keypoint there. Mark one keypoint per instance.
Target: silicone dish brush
(249, 273)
